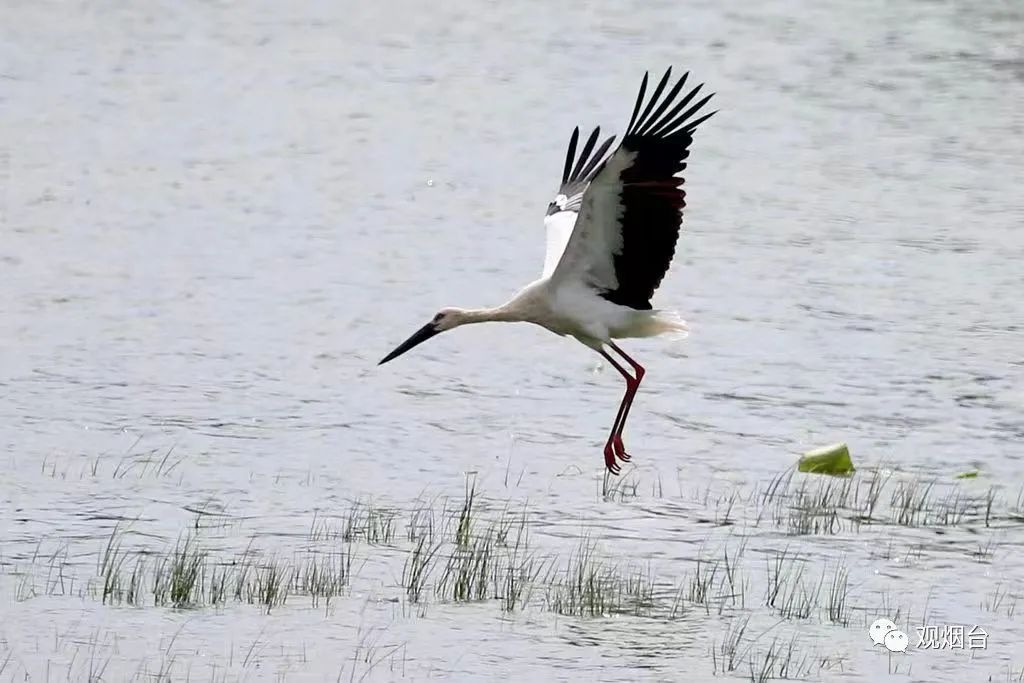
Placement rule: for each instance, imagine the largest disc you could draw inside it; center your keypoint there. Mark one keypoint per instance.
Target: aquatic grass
(516, 580)
(724, 508)
(1001, 601)
(986, 550)
(243, 569)
(271, 584)
(678, 607)
(465, 519)
(155, 463)
(619, 488)
(468, 569)
(186, 576)
(370, 652)
(838, 594)
(810, 505)
(726, 654)
(56, 581)
(488, 558)
(176, 579)
(909, 502)
(216, 583)
(586, 585)
(324, 576)
(702, 581)
(736, 590)
(589, 585)
(781, 660)
(875, 484)
(788, 593)
(481, 552)
(367, 522)
(516, 576)
(778, 571)
(149, 463)
(421, 523)
(418, 565)
(1011, 675)
(816, 511)
(637, 592)
(110, 565)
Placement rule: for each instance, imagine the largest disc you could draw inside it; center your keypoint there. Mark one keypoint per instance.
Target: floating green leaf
(834, 459)
(967, 475)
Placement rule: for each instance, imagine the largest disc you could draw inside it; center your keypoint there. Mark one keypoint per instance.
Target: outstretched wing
(628, 216)
(564, 209)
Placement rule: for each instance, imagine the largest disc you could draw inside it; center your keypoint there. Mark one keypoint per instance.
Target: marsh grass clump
(909, 502)
(915, 503)
(469, 550)
(324, 576)
(726, 655)
(216, 583)
(788, 592)
(464, 525)
(421, 523)
(176, 580)
(587, 587)
(496, 563)
(637, 592)
(187, 576)
(515, 578)
(271, 584)
(619, 489)
(1001, 601)
(380, 526)
(366, 522)
(110, 566)
(811, 505)
(724, 507)
(781, 659)
(837, 608)
(468, 569)
(418, 565)
(714, 582)
(154, 463)
(701, 582)
(733, 585)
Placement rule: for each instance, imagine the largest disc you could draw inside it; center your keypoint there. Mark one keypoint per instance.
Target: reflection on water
(216, 219)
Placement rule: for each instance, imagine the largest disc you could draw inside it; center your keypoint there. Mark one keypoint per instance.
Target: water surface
(216, 219)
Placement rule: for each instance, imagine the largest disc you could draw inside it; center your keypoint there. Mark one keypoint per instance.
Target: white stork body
(611, 235)
(569, 309)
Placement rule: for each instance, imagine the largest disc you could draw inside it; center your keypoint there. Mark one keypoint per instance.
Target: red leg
(631, 389)
(613, 448)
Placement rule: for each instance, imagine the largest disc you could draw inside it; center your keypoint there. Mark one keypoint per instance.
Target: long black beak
(421, 335)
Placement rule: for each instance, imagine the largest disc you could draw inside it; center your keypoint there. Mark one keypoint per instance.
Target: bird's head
(444, 320)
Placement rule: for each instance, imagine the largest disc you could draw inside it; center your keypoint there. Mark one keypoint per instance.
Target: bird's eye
(437, 318)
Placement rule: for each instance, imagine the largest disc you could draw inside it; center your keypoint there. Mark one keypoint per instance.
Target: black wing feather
(587, 149)
(575, 179)
(651, 192)
(664, 104)
(639, 101)
(571, 154)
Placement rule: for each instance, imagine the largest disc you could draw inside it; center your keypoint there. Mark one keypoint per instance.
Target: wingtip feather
(570, 155)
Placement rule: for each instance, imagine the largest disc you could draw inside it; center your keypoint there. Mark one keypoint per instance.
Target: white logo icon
(879, 629)
(896, 641)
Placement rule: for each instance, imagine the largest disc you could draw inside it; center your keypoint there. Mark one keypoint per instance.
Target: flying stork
(611, 235)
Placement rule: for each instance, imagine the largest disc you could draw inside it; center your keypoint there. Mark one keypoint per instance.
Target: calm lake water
(216, 218)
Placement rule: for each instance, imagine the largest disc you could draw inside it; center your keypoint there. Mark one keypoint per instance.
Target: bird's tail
(666, 322)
